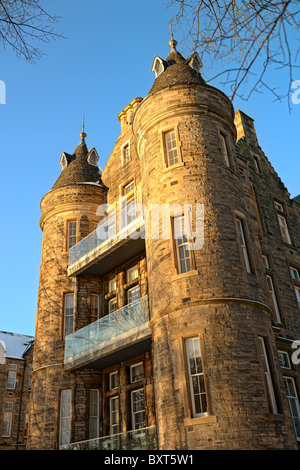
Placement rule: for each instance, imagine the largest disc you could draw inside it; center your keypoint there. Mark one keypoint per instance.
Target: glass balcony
(115, 228)
(118, 330)
(141, 439)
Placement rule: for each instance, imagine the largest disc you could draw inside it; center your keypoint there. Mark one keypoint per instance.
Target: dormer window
(92, 157)
(63, 161)
(159, 66)
(194, 62)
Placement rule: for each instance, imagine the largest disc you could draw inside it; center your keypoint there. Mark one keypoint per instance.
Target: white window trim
(72, 239)
(268, 377)
(297, 293)
(111, 283)
(244, 243)
(173, 139)
(129, 291)
(158, 66)
(7, 424)
(274, 297)
(125, 160)
(130, 270)
(190, 375)
(11, 380)
(68, 329)
(97, 296)
(185, 225)
(110, 302)
(117, 412)
(110, 380)
(65, 438)
(295, 270)
(94, 420)
(225, 148)
(134, 413)
(285, 354)
(131, 368)
(295, 399)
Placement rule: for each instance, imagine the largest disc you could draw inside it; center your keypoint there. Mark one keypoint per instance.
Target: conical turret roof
(78, 169)
(178, 71)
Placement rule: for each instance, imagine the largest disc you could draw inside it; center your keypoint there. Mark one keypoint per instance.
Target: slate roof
(15, 344)
(178, 72)
(297, 199)
(79, 170)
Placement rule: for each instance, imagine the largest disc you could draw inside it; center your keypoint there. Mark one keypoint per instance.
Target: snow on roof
(14, 344)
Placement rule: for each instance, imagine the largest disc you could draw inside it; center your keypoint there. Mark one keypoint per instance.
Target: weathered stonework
(222, 299)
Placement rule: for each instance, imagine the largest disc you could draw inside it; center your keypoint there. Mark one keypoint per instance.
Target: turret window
(65, 417)
(225, 149)
(267, 375)
(171, 148)
(159, 66)
(72, 233)
(196, 377)
(244, 243)
(181, 244)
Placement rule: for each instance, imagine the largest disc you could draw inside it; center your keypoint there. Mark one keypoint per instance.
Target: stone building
(15, 384)
(169, 296)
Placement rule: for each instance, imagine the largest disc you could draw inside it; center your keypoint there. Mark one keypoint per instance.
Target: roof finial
(172, 43)
(82, 134)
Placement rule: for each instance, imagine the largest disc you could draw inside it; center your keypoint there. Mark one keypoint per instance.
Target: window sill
(194, 272)
(201, 420)
(171, 167)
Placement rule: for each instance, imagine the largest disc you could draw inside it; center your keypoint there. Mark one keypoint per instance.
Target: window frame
(134, 288)
(283, 227)
(226, 150)
(7, 424)
(94, 419)
(135, 413)
(165, 151)
(71, 237)
(116, 426)
(11, 380)
(94, 317)
(131, 369)
(170, 138)
(186, 225)
(194, 413)
(68, 316)
(296, 401)
(113, 374)
(268, 378)
(243, 238)
(131, 269)
(67, 418)
(125, 156)
(110, 302)
(286, 360)
(274, 295)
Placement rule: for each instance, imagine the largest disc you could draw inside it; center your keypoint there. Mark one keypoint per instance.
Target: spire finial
(172, 43)
(82, 134)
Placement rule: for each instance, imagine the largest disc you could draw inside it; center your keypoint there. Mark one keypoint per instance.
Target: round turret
(209, 314)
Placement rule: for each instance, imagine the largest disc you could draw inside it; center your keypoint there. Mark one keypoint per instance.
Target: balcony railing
(141, 439)
(113, 228)
(107, 328)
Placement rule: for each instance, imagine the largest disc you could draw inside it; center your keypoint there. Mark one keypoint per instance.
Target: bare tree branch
(23, 25)
(253, 35)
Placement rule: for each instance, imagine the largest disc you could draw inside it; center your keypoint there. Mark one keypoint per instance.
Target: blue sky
(104, 62)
